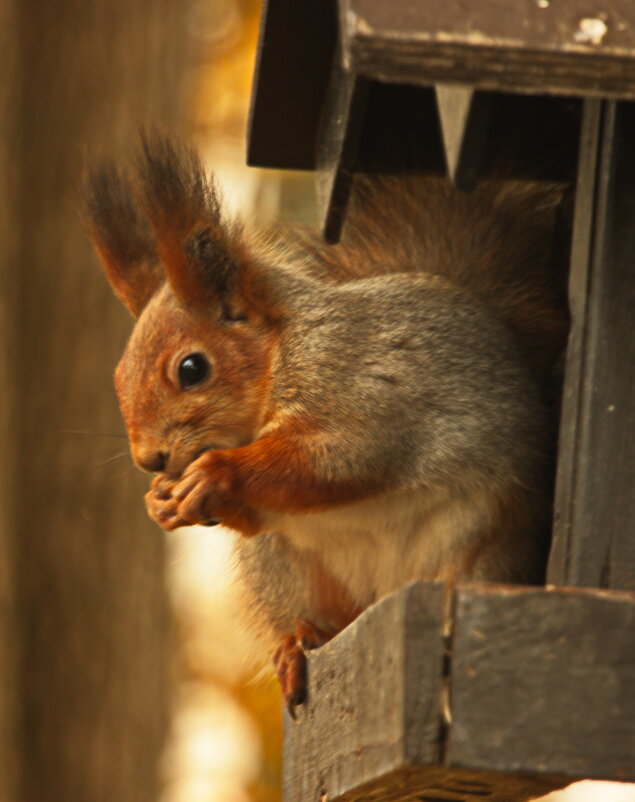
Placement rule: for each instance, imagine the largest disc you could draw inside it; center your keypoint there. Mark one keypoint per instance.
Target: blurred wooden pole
(90, 637)
(8, 244)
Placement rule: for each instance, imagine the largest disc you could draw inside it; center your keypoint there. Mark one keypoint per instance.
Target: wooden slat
(297, 41)
(525, 46)
(594, 536)
(537, 691)
(371, 127)
(544, 681)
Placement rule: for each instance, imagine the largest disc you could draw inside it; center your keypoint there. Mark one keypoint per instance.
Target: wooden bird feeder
(483, 692)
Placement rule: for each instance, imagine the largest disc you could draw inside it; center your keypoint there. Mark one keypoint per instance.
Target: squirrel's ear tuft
(198, 247)
(121, 235)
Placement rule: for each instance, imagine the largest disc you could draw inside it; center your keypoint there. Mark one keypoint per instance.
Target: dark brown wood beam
(542, 47)
(594, 531)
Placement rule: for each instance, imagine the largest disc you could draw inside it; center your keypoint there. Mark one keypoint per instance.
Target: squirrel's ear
(199, 249)
(122, 237)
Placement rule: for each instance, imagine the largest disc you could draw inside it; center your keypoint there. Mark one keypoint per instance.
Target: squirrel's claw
(200, 496)
(161, 506)
(191, 500)
(290, 664)
(179, 502)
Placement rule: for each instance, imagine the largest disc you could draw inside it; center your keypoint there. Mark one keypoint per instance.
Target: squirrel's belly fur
(373, 547)
(376, 546)
(363, 415)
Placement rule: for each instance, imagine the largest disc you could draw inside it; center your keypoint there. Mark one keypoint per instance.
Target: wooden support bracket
(473, 695)
(464, 115)
(338, 137)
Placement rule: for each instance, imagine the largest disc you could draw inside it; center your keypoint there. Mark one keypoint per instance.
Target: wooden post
(8, 402)
(594, 533)
(90, 632)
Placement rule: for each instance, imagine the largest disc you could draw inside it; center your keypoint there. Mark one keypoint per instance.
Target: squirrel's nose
(151, 461)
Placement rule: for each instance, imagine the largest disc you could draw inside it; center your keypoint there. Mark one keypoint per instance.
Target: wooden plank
(544, 681)
(293, 65)
(527, 46)
(594, 535)
(464, 116)
(375, 699)
(536, 692)
(371, 127)
(559, 571)
(374, 726)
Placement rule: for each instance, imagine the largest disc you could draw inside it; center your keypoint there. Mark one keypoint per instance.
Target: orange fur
(330, 599)
(273, 472)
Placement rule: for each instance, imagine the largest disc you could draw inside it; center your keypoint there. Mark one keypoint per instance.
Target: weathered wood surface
(294, 66)
(362, 721)
(537, 691)
(544, 681)
(308, 112)
(526, 46)
(594, 534)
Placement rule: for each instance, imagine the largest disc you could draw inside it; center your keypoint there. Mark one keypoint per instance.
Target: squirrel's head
(195, 373)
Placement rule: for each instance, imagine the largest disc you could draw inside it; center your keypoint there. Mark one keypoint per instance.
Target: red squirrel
(363, 414)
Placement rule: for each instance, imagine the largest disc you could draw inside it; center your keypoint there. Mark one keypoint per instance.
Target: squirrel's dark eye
(193, 369)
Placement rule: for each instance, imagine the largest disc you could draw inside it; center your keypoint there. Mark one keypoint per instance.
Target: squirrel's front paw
(170, 510)
(203, 496)
(161, 505)
(198, 493)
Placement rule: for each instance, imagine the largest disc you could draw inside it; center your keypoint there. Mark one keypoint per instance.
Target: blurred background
(123, 675)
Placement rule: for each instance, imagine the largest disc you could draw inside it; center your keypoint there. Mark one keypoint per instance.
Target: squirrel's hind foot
(290, 662)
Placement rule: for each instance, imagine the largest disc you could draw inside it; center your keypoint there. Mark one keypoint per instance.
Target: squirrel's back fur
(496, 242)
